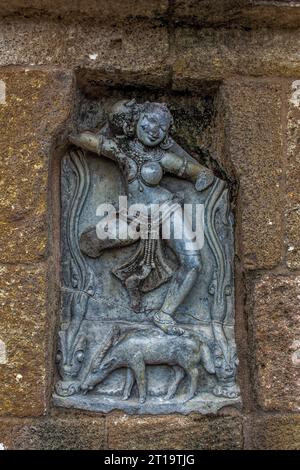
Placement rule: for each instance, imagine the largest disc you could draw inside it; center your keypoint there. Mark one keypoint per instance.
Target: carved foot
(166, 323)
(142, 400)
(226, 390)
(125, 397)
(169, 396)
(188, 397)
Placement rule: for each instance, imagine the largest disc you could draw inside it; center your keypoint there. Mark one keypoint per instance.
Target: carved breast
(132, 169)
(151, 173)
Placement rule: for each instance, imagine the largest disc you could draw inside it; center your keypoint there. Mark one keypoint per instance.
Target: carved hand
(74, 139)
(86, 140)
(204, 180)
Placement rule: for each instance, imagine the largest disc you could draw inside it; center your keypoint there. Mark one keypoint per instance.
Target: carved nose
(153, 130)
(67, 370)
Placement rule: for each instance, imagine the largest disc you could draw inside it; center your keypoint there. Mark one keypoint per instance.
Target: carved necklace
(141, 156)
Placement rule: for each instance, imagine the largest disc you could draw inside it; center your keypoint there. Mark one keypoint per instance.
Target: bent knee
(192, 263)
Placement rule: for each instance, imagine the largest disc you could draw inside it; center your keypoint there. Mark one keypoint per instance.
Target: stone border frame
(263, 261)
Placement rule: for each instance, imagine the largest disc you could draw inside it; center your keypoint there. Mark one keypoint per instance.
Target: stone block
(71, 433)
(134, 53)
(275, 355)
(250, 113)
(292, 195)
(174, 432)
(215, 54)
(37, 104)
(246, 13)
(275, 432)
(23, 332)
(102, 9)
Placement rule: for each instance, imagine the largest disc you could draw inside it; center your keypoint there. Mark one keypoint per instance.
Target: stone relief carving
(147, 320)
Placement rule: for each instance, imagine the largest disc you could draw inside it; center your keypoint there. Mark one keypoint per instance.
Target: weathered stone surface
(275, 355)
(247, 13)
(118, 9)
(70, 433)
(208, 11)
(275, 432)
(139, 51)
(37, 104)
(250, 122)
(23, 329)
(175, 432)
(24, 240)
(214, 54)
(292, 209)
(136, 52)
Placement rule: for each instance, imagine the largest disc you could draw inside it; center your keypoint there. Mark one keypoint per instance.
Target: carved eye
(58, 357)
(227, 290)
(80, 355)
(94, 371)
(211, 289)
(218, 361)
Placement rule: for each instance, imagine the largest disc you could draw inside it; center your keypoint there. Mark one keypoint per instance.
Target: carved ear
(207, 359)
(111, 339)
(128, 129)
(110, 363)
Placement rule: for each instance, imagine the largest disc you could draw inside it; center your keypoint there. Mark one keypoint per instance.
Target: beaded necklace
(139, 154)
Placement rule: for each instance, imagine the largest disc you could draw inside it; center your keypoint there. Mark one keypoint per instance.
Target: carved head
(154, 123)
(225, 363)
(103, 362)
(122, 117)
(69, 358)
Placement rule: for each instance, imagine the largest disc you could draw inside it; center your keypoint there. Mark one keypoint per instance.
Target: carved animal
(137, 348)
(225, 366)
(72, 346)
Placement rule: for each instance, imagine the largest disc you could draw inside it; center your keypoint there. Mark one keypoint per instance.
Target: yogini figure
(137, 139)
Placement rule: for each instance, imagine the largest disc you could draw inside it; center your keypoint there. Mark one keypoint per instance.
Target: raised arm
(190, 170)
(96, 143)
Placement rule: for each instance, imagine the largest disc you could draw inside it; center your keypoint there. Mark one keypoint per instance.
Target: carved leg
(92, 245)
(140, 376)
(179, 374)
(193, 376)
(182, 281)
(128, 384)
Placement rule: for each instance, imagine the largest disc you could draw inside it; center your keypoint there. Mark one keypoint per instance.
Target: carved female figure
(137, 139)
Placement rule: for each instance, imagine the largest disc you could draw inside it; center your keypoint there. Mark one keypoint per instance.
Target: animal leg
(179, 374)
(140, 376)
(193, 376)
(128, 384)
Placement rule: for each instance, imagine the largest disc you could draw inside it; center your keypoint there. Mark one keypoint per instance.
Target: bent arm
(96, 143)
(190, 170)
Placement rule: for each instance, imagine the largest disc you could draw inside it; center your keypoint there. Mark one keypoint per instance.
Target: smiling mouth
(152, 138)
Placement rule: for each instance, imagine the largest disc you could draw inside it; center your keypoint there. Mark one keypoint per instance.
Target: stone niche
(147, 326)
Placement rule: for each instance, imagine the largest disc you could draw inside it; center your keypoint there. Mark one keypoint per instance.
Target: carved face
(152, 128)
(69, 362)
(98, 373)
(225, 366)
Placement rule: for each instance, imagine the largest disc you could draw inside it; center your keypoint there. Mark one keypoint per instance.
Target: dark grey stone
(147, 324)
